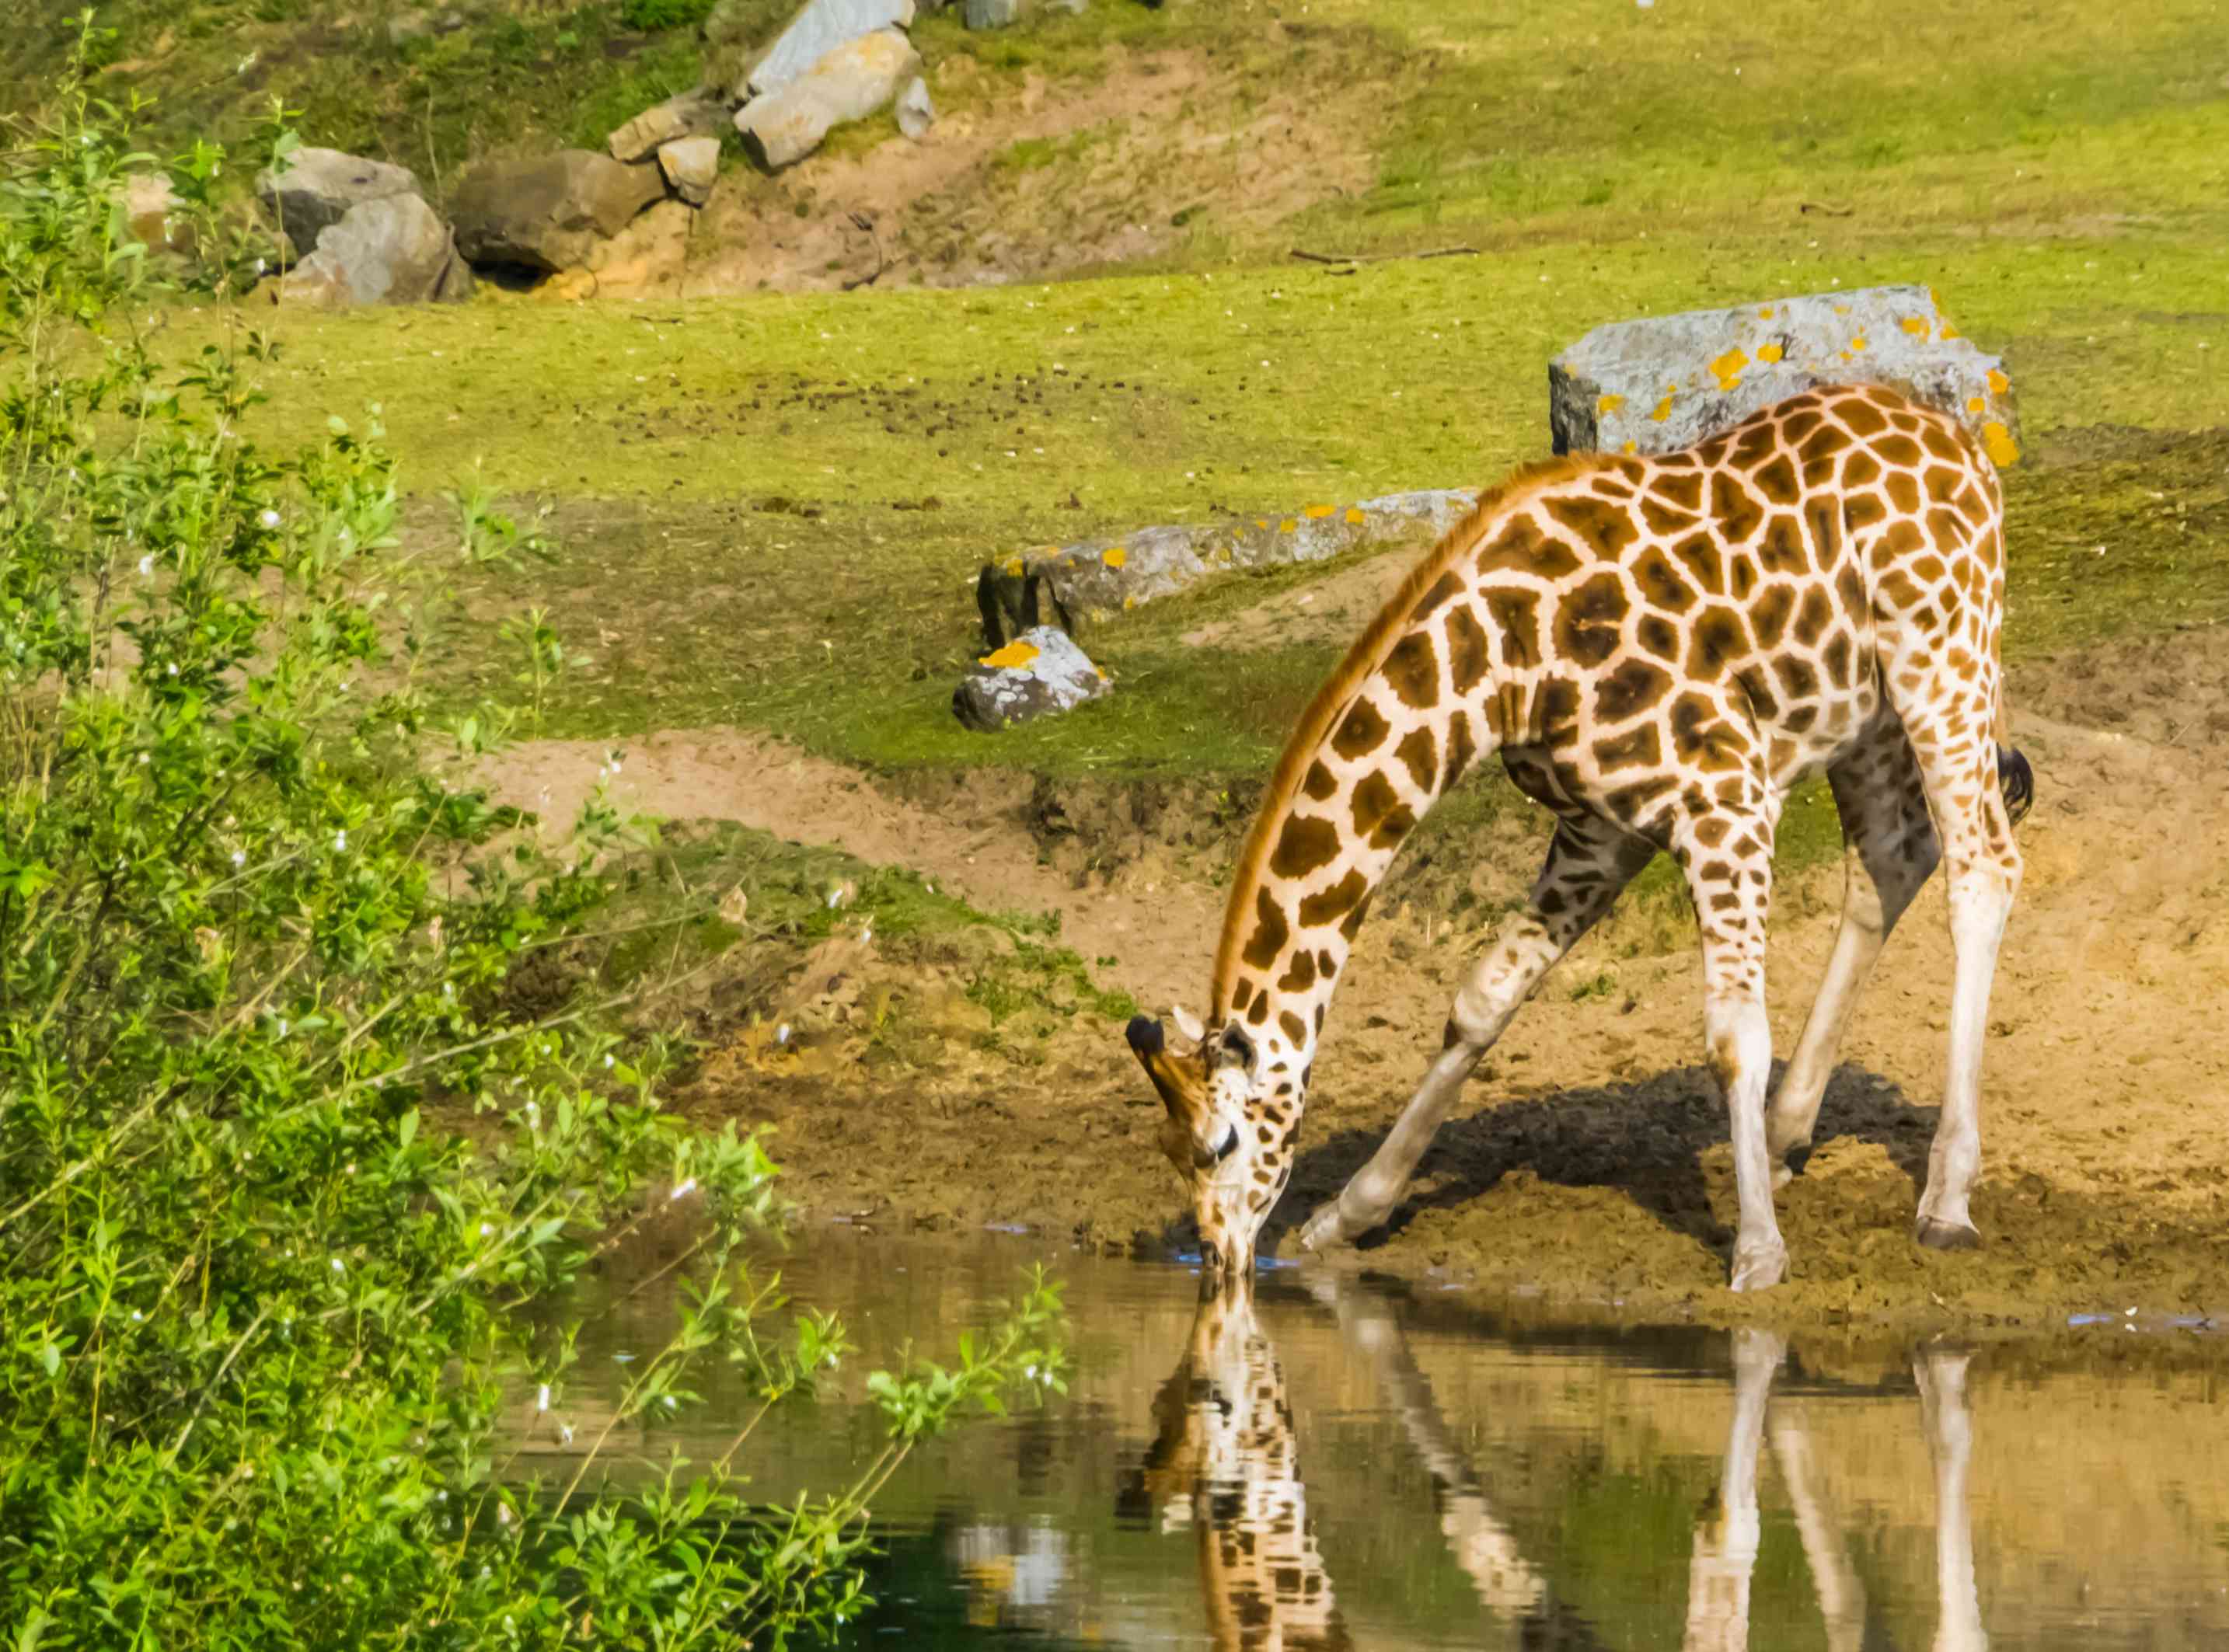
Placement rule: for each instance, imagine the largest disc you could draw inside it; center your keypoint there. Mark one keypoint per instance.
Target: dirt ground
(1593, 1167)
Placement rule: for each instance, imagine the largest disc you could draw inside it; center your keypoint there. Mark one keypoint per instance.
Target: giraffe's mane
(1362, 659)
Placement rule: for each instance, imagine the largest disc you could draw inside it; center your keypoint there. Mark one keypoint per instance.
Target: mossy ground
(769, 508)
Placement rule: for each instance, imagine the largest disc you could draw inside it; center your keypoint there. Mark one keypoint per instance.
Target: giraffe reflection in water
(1225, 1465)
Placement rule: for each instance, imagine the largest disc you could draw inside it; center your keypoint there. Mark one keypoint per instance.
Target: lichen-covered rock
(690, 115)
(549, 212)
(1039, 673)
(817, 30)
(691, 166)
(388, 251)
(1664, 382)
(1101, 577)
(848, 83)
(319, 186)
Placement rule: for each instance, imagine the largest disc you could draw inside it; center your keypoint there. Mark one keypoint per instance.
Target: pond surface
(1326, 1461)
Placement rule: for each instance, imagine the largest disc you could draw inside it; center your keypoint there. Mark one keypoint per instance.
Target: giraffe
(1225, 1463)
(1659, 647)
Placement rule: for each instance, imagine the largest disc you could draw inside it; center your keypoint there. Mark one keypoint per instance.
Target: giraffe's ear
(1188, 1023)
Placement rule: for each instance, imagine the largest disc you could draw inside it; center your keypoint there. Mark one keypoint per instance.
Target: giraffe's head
(1214, 1134)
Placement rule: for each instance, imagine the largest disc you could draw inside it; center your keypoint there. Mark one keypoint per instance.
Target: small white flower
(502, 1513)
(1030, 1372)
(336, 1264)
(245, 64)
(486, 1228)
(671, 1404)
(269, 518)
(282, 1033)
(564, 1433)
(609, 1063)
(683, 1191)
(239, 857)
(340, 839)
(542, 1399)
(172, 670)
(782, 1034)
(136, 1316)
(147, 566)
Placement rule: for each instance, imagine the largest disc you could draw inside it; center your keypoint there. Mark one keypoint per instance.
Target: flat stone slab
(1040, 673)
(1101, 577)
(1664, 382)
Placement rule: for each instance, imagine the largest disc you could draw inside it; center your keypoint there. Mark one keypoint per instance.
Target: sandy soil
(1158, 143)
(1594, 1167)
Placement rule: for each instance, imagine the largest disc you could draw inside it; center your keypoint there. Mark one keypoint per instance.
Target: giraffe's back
(1681, 629)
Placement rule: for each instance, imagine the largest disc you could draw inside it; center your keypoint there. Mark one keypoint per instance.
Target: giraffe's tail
(2015, 778)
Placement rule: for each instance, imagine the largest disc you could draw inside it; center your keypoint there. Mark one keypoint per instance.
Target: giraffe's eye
(1228, 1145)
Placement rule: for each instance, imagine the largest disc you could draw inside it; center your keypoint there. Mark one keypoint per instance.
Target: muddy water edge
(1328, 1457)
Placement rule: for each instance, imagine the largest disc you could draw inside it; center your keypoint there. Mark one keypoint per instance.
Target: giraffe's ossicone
(1659, 648)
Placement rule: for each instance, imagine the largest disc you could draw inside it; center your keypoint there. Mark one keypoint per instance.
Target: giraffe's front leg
(1588, 862)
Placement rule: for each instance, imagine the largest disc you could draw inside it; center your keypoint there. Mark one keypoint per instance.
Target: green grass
(2057, 177)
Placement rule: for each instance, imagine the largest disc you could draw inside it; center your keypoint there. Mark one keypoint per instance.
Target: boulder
(690, 115)
(819, 29)
(388, 251)
(916, 114)
(991, 14)
(549, 212)
(1669, 381)
(1040, 672)
(849, 83)
(152, 214)
(1101, 577)
(691, 166)
(319, 185)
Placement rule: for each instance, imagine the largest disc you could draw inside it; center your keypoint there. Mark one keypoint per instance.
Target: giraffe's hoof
(1938, 1235)
(1759, 1266)
(1326, 1229)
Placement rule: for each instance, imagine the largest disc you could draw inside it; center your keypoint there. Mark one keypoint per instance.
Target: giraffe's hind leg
(1726, 853)
(1948, 718)
(1889, 850)
(1588, 862)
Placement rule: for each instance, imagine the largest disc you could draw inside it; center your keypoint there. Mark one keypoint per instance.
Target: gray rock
(390, 250)
(691, 166)
(916, 114)
(991, 14)
(1039, 673)
(1101, 577)
(548, 212)
(819, 29)
(1667, 381)
(849, 83)
(318, 187)
(690, 115)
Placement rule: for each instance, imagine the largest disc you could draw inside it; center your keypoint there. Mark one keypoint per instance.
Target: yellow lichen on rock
(1916, 325)
(1769, 354)
(1663, 410)
(1114, 557)
(2003, 450)
(1998, 382)
(1317, 513)
(1610, 404)
(1355, 516)
(1012, 657)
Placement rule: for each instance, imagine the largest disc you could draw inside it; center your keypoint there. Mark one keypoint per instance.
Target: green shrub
(260, 1320)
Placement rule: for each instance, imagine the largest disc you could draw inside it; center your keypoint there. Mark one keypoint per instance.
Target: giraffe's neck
(1444, 675)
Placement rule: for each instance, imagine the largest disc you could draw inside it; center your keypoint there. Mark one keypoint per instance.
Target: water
(1328, 1462)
